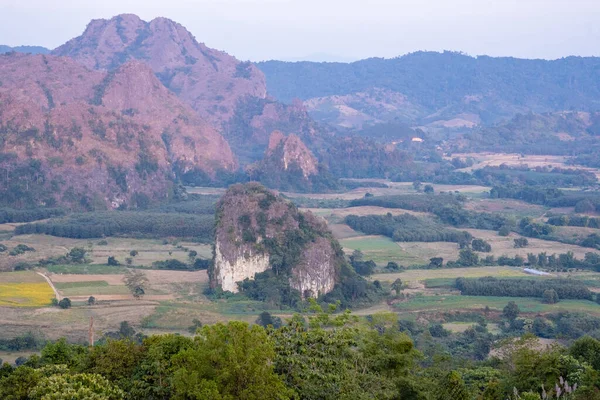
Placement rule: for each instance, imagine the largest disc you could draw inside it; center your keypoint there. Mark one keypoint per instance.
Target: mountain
(289, 165)
(24, 49)
(446, 86)
(95, 139)
(264, 242)
(358, 109)
(561, 133)
(209, 80)
(229, 93)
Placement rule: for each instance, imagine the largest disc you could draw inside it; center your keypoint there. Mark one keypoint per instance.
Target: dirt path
(58, 296)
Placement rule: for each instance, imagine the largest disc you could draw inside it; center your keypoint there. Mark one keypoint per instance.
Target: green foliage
(75, 387)
(489, 286)
(65, 303)
(29, 215)
(511, 311)
(233, 361)
(125, 223)
(481, 245)
(405, 228)
(20, 249)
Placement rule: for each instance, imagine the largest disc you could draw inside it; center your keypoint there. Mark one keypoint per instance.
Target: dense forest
(406, 228)
(489, 286)
(125, 223)
(319, 356)
(437, 80)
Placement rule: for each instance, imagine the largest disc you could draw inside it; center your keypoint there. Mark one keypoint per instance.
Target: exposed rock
(209, 80)
(290, 152)
(104, 137)
(257, 231)
(289, 165)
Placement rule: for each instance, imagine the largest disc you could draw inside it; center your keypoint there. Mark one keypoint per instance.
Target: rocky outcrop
(210, 81)
(291, 152)
(257, 232)
(97, 139)
(289, 165)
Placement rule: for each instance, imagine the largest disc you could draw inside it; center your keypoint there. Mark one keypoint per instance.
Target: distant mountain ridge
(24, 49)
(445, 85)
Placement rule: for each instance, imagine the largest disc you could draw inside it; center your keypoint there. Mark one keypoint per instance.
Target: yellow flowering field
(25, 294)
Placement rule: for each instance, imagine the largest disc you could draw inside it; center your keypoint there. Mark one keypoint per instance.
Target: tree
(196, 324)
(504, 231)
(192, 255)
(77, 254)
(392, 266)
(129, 260)
(136, 281)
(91, 301)
(265, 319)
(428, 189)
(468, 258)
(397, 285)
(133, 253)
(511, 311)
(521, 242)
(452, 387)
(76, 387)
(65, 303)
(585, 206)
(550, 296)
(356, 256)
(481, 245)
(228, 361)
(112, 261)
(417, 185)
(436, 262)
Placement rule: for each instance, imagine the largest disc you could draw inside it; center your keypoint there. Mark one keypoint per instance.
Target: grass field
(86, 269)
(419, 275)
(526, 304)
(149, 250)
(24, 289)
(381, 250)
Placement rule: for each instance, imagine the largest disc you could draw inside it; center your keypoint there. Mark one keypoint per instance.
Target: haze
(333, 30)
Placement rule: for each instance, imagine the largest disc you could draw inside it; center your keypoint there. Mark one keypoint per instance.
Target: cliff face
(210, 81)
(291, 152)
(257, 232)
(94, 138)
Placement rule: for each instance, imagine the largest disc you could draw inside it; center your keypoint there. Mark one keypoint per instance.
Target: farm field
(149, 250)
(382, 249)
(420, 275)
(24, 289)
(458, 302)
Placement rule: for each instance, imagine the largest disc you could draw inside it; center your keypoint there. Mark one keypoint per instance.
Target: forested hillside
(449, 82)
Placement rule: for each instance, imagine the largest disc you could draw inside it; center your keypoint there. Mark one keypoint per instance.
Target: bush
(504, 231)
(112, 261)
(20, 249)
(22, 266)
(521, 243)
(481, 245)
(65, 303)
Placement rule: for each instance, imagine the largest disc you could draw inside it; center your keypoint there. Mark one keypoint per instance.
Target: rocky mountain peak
(209, 80)
(258, 232)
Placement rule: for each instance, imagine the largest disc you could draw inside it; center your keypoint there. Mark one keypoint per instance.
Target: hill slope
(94, 139)
(259, 235)
(448, 84)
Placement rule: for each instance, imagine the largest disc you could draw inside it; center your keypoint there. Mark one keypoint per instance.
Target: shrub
(65, 303)
(112, 261)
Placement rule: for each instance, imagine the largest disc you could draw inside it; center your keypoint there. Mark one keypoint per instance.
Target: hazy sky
(341, 29)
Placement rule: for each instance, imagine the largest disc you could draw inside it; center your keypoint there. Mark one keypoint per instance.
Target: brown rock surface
(209, 80)
(97, 135)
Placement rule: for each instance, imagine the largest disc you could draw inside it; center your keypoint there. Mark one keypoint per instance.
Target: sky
(332, 30)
